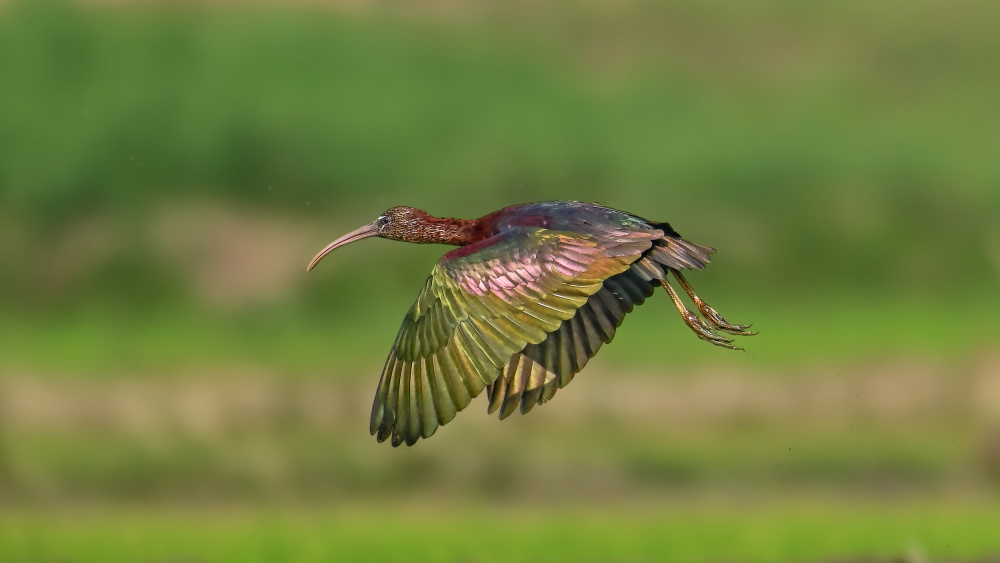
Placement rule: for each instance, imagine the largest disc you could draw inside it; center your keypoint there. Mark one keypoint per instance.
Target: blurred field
(896, 429)
(748, 531)
(173, 386)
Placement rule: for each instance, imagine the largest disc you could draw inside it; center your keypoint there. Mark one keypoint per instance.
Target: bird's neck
(456, 232)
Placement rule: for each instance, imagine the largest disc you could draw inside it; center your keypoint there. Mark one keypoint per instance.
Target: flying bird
(520, 307)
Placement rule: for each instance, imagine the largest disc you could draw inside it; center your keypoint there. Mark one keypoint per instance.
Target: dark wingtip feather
(509, 405)
(381, 395)
(496, 394)
(518, 371)
(531, 398)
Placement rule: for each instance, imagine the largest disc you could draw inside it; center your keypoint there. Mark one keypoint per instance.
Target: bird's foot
(700, 327)
(704, 331)
(713, 316)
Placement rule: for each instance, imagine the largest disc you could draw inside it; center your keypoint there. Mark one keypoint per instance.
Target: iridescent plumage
(522, 305)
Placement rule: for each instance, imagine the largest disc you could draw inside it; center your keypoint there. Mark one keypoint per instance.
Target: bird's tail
(680, 254)
(674, 252)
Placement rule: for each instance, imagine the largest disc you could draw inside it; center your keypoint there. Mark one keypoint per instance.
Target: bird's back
(571, 216)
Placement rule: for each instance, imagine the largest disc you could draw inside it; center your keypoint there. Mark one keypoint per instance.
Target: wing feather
(517, 370)
(581, 351)
(474, 372)
(567, 350)
(533, 391)
(444, 400)
(428, 403)
(381, 395)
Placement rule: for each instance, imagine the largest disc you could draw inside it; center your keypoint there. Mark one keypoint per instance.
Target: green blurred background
(173, 386)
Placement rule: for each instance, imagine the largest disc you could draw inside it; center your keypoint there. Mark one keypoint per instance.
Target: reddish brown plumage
(416, 225)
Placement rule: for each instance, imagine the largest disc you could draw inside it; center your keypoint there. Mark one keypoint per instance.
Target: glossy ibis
(522, 305)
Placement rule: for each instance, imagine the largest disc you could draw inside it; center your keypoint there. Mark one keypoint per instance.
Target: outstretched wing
(482, 305)
(535, 374)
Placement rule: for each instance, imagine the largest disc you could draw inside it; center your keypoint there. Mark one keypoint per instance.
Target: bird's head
(397, 223)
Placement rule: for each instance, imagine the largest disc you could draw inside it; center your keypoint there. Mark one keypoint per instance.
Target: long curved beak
(369, 230)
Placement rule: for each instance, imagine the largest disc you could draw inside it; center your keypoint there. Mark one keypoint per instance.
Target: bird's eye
(383, 221)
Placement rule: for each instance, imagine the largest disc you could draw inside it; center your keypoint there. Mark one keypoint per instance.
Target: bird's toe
(722, 324)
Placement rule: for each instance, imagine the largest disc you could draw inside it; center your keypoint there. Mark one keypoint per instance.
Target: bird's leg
(696, 323)
(711, 315)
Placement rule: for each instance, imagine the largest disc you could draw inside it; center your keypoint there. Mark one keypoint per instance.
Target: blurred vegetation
(867, 144)
(166, 171)
(836, 156)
